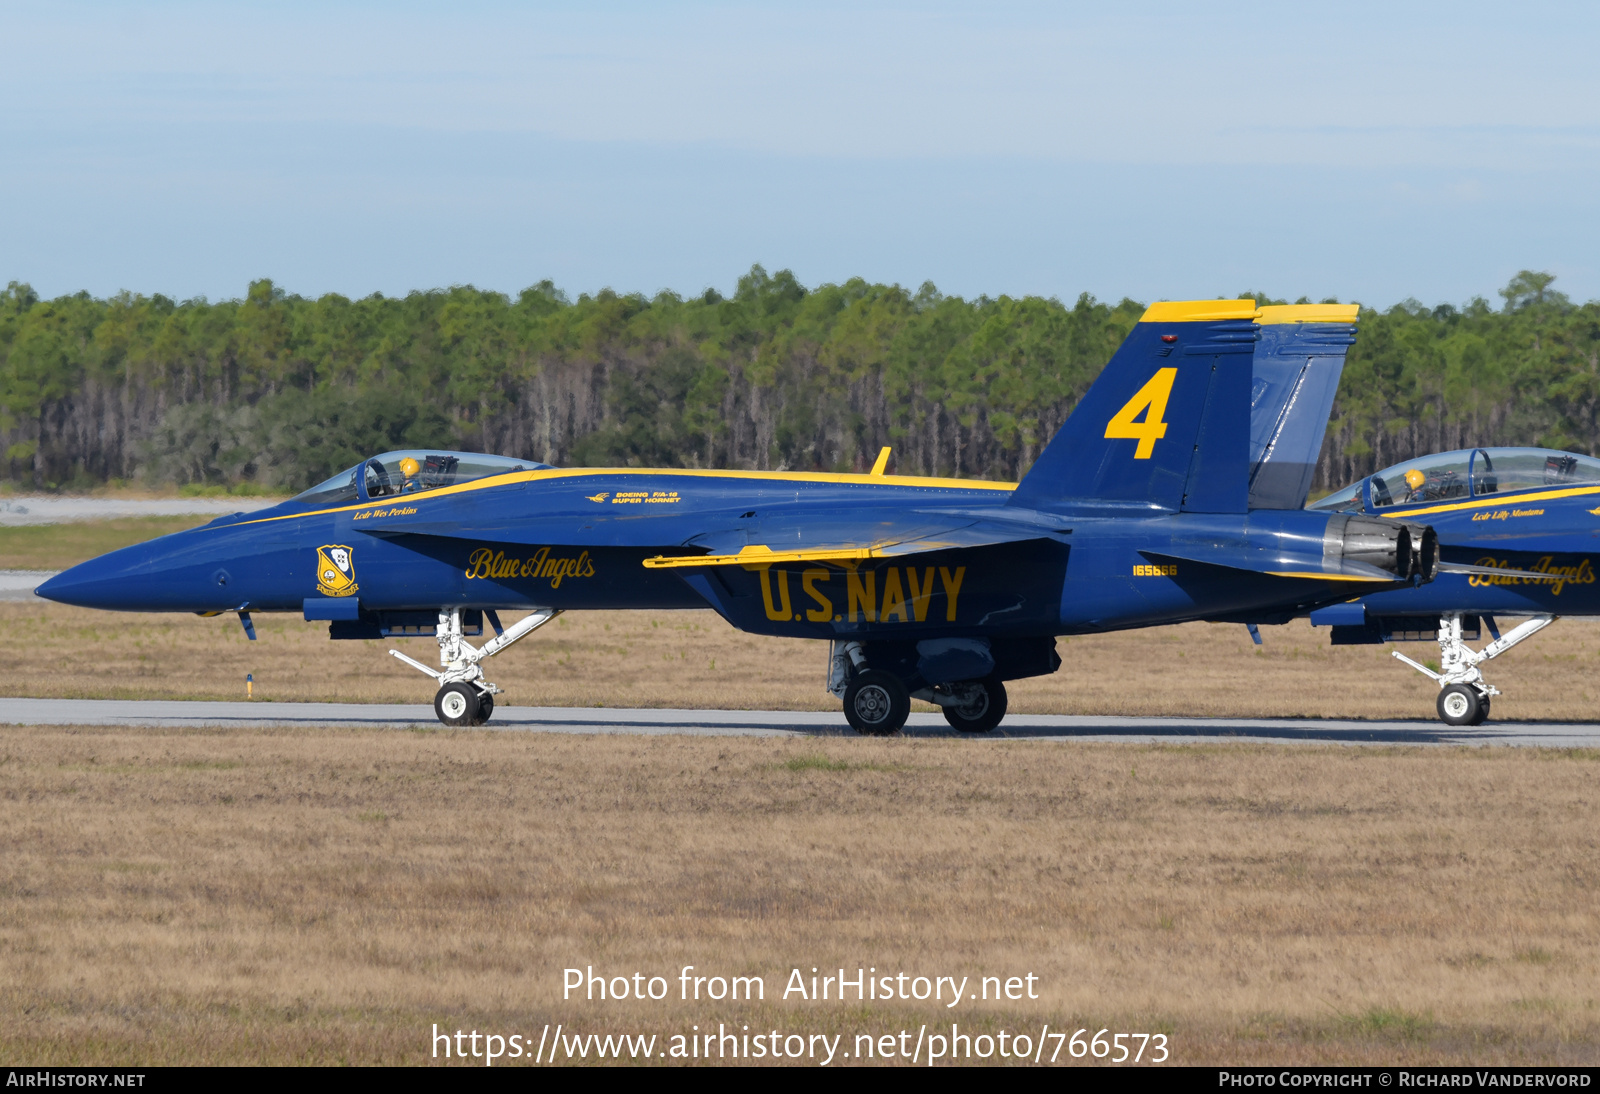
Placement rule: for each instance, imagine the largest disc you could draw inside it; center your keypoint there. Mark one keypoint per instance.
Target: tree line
(278, 392)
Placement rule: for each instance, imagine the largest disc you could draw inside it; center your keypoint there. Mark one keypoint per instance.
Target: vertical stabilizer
(1165, 426)
(1299, 356)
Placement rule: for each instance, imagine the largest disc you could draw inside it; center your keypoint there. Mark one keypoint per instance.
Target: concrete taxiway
(57, 509)
(19, 584)
(770, 723)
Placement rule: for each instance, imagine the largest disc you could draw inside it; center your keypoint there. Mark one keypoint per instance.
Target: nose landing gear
(1464, 695)
(465, 698)
(1460, 705)
(460, 705)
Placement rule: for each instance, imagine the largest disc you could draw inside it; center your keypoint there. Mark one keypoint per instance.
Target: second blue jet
(1523, 526)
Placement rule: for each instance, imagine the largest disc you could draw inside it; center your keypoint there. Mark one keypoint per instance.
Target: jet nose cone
(169, 574)
(53, 587)
(87, 585)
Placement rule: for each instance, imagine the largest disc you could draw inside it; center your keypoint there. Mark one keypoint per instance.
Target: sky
(1363, 151)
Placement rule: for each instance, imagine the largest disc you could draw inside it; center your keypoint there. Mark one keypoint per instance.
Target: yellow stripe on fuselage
(1315, 575)
(1494, 501)
(613, 472)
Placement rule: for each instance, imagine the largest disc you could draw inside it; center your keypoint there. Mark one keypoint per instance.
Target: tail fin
(1165, 426)
(1298, 360)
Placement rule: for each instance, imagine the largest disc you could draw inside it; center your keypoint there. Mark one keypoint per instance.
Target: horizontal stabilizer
(1260, 562)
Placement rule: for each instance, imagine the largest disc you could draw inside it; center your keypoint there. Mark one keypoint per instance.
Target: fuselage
(1137, 512)
(578, 539)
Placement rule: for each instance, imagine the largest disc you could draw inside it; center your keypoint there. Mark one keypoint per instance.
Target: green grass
(1390, 1022)
(828, 763)
(57, 546)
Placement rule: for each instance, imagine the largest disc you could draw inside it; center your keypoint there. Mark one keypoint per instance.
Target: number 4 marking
(1152, 400)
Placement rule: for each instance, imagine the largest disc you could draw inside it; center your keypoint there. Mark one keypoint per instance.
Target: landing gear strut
(465, 698)
(1463, 693)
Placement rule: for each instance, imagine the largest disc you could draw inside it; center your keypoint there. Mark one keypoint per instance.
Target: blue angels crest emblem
(336, 574)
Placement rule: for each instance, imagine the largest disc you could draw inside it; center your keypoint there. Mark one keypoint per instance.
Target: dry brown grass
(325, 896)
(694, 659)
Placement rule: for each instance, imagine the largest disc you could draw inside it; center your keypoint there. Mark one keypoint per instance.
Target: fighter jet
(1157, 502)
(1519, 528)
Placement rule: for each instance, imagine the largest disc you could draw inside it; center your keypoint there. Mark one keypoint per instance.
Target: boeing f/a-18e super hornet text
(1524, 523)
(1174, 492)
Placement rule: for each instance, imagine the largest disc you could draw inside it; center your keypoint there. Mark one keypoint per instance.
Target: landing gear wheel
(456, 704)
(1460, 705)
(876, 703)
(485, 708)
(982, 711)
(1483, 712)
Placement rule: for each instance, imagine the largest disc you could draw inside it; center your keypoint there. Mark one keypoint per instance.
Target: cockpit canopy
(1469, 473)
(414, 471)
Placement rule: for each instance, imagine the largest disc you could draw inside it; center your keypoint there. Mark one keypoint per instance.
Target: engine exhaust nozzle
(1402, 548)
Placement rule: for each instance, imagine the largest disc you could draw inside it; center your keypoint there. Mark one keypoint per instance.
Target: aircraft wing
(822, 542)
(781, 538)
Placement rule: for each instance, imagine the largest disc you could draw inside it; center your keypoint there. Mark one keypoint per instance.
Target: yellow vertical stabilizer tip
(1309, 313)
(1198, 311)
(882, 463)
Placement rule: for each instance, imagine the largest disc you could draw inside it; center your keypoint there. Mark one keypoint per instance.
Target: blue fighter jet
(1174, 492)
(1521, 528)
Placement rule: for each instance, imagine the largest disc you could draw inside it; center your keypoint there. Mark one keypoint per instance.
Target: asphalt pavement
(770, 723)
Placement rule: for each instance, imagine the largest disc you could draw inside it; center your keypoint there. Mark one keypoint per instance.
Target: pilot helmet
(1415, 479)
(409, 467)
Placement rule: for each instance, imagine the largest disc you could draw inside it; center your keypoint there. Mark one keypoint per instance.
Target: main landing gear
(465, 698)
(975, 706)
(1463, 693)
(877, 702)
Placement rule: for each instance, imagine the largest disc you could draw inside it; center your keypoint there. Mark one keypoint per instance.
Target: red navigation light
(1169, 338)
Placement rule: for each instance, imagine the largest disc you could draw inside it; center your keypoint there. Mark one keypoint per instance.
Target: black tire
(1483, 712)
(985, 710)
(876, 703)
(485, 708)
(456, 704)
(1460, 705)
